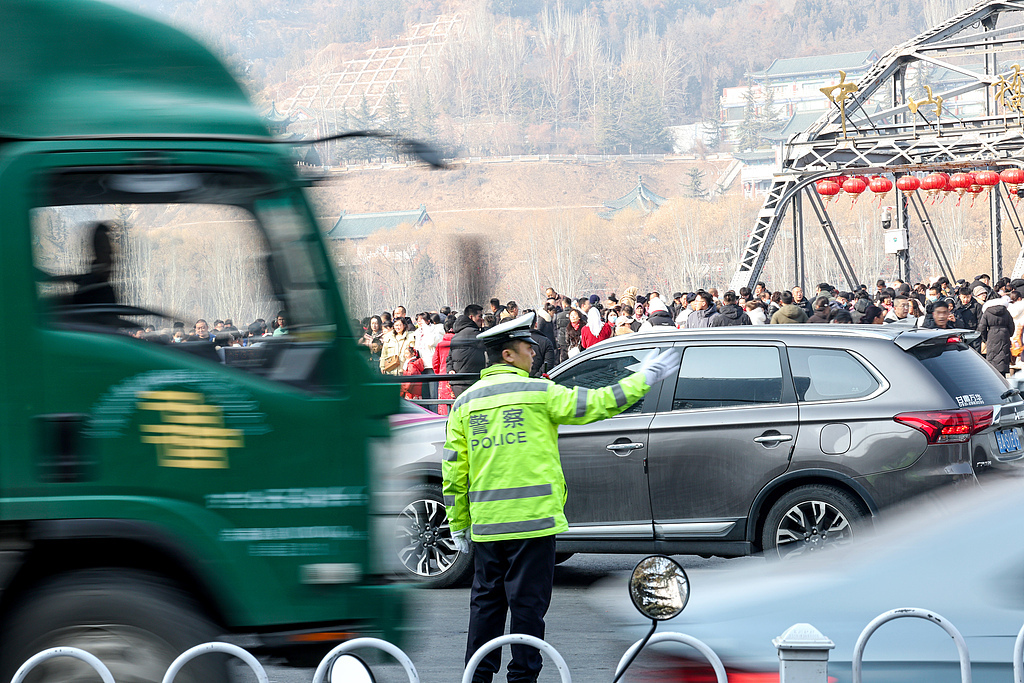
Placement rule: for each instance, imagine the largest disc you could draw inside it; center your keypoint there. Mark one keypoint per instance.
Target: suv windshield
(965, 375)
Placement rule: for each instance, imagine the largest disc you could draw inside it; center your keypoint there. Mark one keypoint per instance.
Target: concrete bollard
(803, 655)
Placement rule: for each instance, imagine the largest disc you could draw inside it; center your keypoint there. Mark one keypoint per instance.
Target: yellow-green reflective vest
(502, 473)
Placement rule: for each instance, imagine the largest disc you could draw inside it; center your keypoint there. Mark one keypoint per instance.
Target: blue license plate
(1008, 440)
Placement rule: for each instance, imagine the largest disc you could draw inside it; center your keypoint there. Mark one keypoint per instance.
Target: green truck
(160, 487)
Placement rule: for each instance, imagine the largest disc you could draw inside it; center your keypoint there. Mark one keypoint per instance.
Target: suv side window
(721, 376)
(595, 373)
(829, 375)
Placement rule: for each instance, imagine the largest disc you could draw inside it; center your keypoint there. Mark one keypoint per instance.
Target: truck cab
(161, 483)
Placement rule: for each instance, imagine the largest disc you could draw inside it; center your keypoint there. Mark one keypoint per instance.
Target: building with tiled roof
(357, 226)
(641, 198)
(795, 85)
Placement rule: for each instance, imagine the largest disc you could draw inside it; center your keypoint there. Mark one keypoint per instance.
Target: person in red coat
(412, 364)
(440, 359)
(596, 329)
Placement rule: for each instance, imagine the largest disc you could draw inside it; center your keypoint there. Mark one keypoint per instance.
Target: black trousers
(511, 576)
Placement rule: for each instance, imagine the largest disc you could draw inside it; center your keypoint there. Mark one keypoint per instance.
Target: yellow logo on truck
(191, 434)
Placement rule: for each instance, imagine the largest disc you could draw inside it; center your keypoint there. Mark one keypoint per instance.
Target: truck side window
(186, 260)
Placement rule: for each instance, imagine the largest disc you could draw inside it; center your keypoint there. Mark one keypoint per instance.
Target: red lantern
(934, 183)
(974, 183)
(960, 182)
(855, 186)
(880, 186)
(987, 179)
(1013, 177)
(827, 188)
(907, 184)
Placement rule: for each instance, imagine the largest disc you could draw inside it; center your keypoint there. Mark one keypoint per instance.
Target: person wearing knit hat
(658, 319)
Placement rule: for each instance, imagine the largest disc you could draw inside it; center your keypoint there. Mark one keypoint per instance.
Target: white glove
(461, 541)
(657, 366)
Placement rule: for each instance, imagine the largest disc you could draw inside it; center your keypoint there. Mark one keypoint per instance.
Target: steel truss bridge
(879, 128)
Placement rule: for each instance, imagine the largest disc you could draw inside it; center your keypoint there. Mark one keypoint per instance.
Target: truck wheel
(424, 542)
(810, 519)
(134, 622)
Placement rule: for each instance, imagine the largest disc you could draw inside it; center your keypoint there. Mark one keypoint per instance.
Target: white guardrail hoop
(207, 648)
(1018, 657)
(53, 652)
(515, 639)
(918, 613)
(670, 636)
(375, 643)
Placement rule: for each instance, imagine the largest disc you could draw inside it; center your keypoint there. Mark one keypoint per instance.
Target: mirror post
(803, 655)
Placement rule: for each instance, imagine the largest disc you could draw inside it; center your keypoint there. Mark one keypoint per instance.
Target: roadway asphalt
(589, 609)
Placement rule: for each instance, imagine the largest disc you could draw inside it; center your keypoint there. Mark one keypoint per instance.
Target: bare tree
(557, 34)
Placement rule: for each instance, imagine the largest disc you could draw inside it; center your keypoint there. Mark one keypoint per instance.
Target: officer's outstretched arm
(579, 406)
(455, 473)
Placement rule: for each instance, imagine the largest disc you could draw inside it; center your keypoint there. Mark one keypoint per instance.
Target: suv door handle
(623, 449)
(773, 438)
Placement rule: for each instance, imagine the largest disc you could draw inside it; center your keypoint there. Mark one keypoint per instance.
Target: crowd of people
(221, 333)
(441, 341)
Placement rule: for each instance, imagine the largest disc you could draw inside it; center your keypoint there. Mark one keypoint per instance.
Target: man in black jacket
(466, 354)
(544, 354)
(730, 313)
(967, 312)
(561, 322)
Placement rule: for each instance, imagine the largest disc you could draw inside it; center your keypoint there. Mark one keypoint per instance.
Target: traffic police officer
(504, 487)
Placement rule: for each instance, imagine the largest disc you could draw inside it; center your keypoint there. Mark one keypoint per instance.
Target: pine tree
(711, 129)
(642, 124)
(695, 184)
(394, 119)
(769, 112)
(364, 119)
(750, 128)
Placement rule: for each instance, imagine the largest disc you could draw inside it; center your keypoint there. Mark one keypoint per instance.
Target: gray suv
(783, 438)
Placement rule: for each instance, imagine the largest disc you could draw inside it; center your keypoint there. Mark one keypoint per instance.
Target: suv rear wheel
(809, 519)
(424, 541)
(133, 621)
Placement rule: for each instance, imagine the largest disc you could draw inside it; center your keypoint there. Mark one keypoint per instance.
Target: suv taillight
(947, 426)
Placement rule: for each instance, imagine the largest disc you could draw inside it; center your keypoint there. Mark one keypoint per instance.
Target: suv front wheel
(424, 541)
(809, 519)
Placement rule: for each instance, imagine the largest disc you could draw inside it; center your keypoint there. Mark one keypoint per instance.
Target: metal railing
(803, 653)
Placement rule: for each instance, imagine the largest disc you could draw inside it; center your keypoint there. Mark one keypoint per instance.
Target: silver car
(780, 438)
(959, 557)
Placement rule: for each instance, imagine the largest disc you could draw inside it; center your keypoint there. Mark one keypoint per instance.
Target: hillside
(453, 197)
(529, 76)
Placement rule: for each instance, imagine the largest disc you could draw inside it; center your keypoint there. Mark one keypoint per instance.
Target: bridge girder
(892, 138)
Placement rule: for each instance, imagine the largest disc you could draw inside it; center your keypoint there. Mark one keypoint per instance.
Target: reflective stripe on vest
(513, 493)
(581, 402)
(449, 501)
(620, 395)
(513, 527)
(449, 455)
(499, 389)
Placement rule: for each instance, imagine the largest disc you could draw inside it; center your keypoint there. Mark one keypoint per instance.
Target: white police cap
(517, 328)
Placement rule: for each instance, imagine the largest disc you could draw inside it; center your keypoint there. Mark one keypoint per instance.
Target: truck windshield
(210, 256)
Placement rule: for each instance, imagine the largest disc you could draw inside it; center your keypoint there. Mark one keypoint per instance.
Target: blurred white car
(959, 555)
